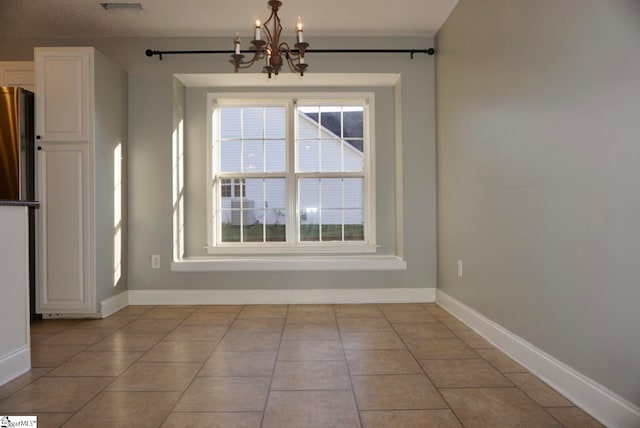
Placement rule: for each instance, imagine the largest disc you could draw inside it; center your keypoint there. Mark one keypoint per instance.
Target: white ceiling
(211, 18)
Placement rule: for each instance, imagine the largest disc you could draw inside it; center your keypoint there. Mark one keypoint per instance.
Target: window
(230, 187)
(291, 174)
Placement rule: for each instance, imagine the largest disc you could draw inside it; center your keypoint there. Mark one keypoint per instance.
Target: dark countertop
(7, 203)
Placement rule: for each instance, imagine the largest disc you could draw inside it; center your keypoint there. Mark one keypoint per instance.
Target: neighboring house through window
(291, 173)
(230, 187)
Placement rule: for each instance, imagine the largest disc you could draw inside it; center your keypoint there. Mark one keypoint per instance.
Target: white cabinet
(64, 104)
(64, 267)
(81, 122)
(17, 73)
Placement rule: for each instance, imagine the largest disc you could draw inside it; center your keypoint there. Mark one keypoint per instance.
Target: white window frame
(292, 245)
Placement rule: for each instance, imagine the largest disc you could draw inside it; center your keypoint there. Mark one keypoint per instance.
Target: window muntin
(232, 188)
(333, 209)
(330, 137)
(304, 171)
(259, 219)
(252, 139)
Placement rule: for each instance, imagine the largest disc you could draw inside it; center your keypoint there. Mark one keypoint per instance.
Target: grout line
(422, 369)
(420, 409)
(312, 390)
(346, 362)
(129, 366)
(273, 370)
(202, 363)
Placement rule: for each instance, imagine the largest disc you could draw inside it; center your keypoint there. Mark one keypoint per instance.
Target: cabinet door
(65, 280)
(64, 101)
(17, 73)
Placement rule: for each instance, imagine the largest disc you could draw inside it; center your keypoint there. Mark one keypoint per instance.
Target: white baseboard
(257, 297)
(114, 303)
(15, 364)
(603, 404)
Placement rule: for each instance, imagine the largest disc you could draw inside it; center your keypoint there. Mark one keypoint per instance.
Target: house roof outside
(352, 128)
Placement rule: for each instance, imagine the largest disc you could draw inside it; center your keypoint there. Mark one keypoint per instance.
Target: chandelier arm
(246, 65)
(292, 65)
(291, 56)
(284, 47)
(290, 61)
(239, 62)
(300, 67)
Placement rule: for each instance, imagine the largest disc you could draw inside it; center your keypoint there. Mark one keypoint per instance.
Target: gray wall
(149, 166)
(538, 134)
(110, 130)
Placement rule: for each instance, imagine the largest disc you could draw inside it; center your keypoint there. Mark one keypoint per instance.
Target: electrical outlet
(155, 261)
(460, 268)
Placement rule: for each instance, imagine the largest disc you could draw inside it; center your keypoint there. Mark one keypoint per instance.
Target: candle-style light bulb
(236, 42)
(257, 35)
(299, 30)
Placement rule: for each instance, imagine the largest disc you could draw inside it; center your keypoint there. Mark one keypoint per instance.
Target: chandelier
(272, 50)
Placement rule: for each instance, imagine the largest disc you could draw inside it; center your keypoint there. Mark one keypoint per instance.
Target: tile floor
(386, 365)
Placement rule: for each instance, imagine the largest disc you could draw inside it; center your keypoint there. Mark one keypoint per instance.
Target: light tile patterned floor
(387, 365)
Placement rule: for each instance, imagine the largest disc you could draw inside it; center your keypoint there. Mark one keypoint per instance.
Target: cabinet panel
(63, 105)
(65, 280)
(17, 73)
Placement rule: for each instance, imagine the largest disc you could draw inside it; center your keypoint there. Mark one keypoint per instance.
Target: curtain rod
(412, 52)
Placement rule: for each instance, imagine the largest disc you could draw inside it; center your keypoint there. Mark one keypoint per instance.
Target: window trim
(367, 99)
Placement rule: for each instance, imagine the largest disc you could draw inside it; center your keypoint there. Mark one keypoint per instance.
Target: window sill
(274, 250)
(343, 263)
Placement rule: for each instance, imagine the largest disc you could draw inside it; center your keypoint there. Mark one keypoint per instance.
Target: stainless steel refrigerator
(17, 160)
(16, 144)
